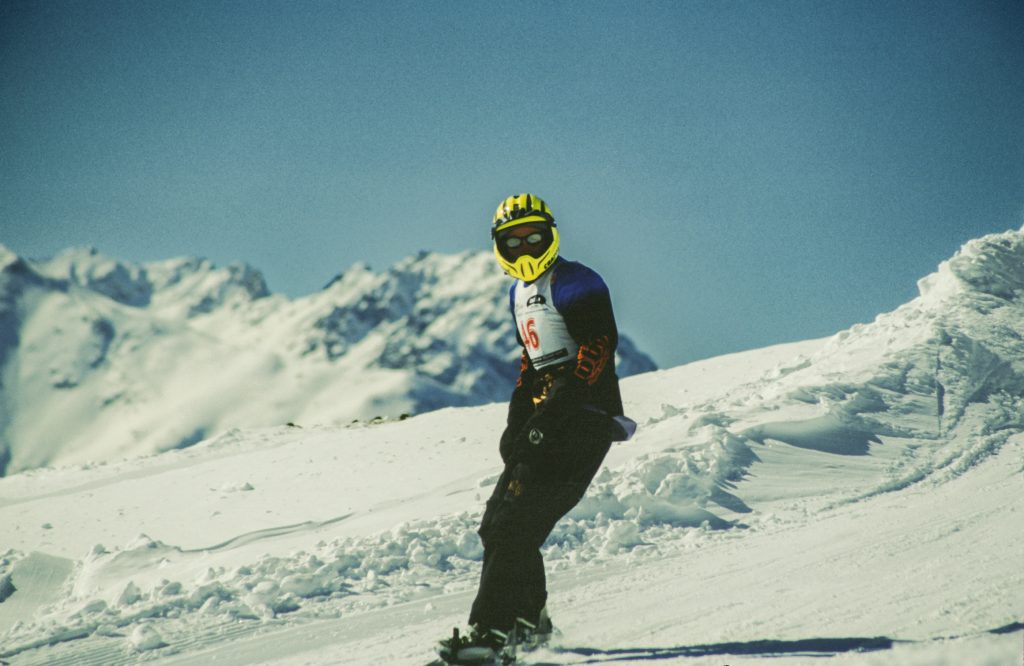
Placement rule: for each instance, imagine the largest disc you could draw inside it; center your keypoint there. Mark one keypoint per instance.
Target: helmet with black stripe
(519, 210)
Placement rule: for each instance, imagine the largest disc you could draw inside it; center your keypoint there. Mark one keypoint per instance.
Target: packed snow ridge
(865, 484)
(143, 358)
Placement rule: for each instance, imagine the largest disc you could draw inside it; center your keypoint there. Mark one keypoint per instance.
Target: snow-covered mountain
(857, 497)
(103, 358)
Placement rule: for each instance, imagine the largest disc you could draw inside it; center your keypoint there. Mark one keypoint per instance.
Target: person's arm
(583, 300)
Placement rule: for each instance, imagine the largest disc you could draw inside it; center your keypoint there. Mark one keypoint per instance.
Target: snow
(144, 637)
(856, 499)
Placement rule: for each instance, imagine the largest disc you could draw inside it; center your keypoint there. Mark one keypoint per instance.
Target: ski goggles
(512, 242)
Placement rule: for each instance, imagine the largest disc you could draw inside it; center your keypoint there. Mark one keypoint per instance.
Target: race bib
(541, 327)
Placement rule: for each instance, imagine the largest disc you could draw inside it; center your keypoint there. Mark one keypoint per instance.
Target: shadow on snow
(767, 648)
(810, 647)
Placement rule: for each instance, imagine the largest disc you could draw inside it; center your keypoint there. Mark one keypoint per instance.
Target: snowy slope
(857, 497)
(138, 359)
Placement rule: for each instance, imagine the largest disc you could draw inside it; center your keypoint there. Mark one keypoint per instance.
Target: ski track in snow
(857, 498)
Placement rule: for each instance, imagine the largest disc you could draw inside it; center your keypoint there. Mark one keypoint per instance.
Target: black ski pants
(520, 514)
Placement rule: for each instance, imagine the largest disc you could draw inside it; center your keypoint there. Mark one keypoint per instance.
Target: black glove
(517, 445)
(528, 444)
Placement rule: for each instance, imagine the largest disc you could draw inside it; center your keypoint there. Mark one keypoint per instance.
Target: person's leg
(512, 580)
(497, 575)
(535, 592)
(518, 519)
(507, 583)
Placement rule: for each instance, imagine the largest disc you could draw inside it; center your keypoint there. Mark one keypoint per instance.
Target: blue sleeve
(581, 297)
(512, 311)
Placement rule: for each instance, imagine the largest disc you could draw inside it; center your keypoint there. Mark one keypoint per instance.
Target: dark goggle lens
(513, 242)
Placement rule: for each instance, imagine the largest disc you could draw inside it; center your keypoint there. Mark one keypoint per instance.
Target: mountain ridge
(119, 347)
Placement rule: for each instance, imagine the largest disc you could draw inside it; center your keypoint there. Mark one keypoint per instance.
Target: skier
(564, 413)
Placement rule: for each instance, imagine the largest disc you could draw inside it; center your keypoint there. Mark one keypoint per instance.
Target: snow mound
(990, 266)
(674, 486)
(948, 364)
(129, 585)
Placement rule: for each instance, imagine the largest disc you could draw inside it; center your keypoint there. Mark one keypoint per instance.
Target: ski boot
(480, 648)
(530, 636)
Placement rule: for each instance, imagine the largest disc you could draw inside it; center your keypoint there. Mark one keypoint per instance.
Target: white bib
(541, 327)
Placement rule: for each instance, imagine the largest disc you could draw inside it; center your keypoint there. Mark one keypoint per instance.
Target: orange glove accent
(592, 358)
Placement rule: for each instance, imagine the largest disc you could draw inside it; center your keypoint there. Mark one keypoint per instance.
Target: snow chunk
(6, 586)
(145, 638)
(621, 535)
(236, 486)
(130, 595)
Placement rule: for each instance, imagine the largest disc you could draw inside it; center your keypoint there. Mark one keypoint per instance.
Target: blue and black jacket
(585, 387)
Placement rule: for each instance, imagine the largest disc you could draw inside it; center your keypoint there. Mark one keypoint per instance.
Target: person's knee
(512, 538)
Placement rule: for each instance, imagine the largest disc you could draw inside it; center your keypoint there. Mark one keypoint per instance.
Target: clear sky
(742, 173)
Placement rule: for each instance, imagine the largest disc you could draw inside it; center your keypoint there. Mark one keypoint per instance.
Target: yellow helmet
(513, 212)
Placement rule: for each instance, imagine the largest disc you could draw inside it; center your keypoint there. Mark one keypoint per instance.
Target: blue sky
(742, 173)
